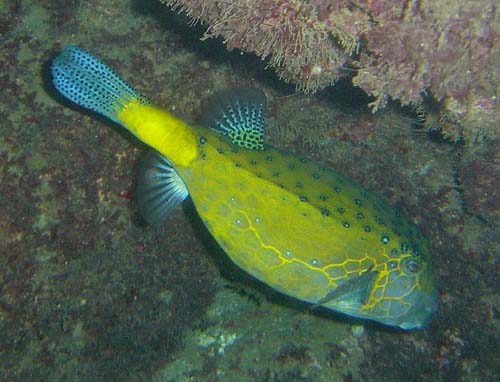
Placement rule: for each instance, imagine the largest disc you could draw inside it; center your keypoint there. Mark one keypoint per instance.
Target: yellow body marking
(160, 130)
(300, 228)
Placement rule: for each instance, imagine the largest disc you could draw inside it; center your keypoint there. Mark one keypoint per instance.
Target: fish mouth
(418, 317)
(423, 301)
(407, 302)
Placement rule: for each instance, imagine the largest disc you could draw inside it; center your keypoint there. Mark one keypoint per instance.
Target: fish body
(303, 229)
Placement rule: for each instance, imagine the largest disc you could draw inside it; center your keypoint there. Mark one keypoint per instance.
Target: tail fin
(86, 81)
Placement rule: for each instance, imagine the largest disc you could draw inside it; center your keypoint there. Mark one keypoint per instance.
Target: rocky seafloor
(89, 292)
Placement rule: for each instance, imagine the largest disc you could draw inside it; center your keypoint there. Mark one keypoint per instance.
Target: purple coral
(393, 49)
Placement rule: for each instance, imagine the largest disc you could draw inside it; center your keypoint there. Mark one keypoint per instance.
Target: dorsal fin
(239, 114)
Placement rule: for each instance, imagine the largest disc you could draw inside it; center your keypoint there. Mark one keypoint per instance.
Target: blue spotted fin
(160, 190)
(85, 80)
(239, 114)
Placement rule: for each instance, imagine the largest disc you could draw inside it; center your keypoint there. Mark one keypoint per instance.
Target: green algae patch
(246, 339)
(48, 206)
(37, 162)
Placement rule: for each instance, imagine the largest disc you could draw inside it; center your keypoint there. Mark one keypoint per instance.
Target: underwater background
(89, 292)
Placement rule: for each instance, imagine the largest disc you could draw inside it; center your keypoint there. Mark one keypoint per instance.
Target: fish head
(398, 292)
(403, 294)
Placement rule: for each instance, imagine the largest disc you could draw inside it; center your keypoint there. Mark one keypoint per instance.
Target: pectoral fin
(355, 290)
(160, 190)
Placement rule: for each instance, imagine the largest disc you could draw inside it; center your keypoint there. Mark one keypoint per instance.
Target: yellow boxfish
(301, 228)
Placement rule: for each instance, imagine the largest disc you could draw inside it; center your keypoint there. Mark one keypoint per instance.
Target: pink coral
(400, 49)
(308, 43)
(446, 49)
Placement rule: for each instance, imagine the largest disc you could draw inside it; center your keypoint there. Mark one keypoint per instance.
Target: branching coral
(403, 49)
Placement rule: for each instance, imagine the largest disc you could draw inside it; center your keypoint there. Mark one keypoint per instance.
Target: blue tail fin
(88, 82)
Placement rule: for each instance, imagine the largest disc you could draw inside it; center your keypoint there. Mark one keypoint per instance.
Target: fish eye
(410, 265)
